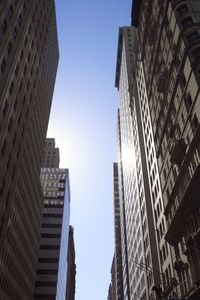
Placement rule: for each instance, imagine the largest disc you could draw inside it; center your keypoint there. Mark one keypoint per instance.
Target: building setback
(28, 64)
(167, 76)
(71, 271)
(51, 278)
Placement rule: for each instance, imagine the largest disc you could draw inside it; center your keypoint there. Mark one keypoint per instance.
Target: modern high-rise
(140, 253)
(71, 270)
(166, 72)
(52, 268)
(28, 64)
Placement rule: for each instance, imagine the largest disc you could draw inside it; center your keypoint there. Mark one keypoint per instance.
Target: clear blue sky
(83, 121)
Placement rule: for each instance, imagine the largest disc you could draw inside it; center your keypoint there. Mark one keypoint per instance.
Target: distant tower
(117, 228)
(112, 287)
(28, 65)
(71, 272)
(51, 279)
(51, 157)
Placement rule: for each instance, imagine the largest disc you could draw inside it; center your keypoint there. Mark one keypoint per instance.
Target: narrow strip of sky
(83, 121)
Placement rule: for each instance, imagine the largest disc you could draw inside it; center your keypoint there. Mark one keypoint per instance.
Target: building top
(51, 156)
(125, 39)
(119, 56)
(135, 12)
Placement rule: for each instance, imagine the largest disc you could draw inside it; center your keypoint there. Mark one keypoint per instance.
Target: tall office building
(51, 278)
(110, 295)
(71, 270)
(51, 157)
(167, 75)
(112, 290)
(117, 229)
(142, 262)
(28, 64)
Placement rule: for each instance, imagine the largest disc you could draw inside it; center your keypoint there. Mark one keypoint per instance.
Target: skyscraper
(167, 72)
(51, 279)
(142, 262)
(117, 229)
(28, 64)
(71, 270)
(112, 290)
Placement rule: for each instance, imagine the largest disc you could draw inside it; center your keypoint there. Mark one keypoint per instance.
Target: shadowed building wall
(71, 271)
(28, 64)
(167, 74)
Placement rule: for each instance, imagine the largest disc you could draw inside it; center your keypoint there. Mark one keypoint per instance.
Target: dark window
(45, 283)
(48, 260)
(53, 205)
(195, 122)
(4, 25)
(41, 271)
(44, 296)
(3, 65)
(11, 87)
(21, 55)
(50, 235)
(9, 47)
(10, 11)
(15, 33)
(188, 102)
(182, 80)
(10, 124)
(24, 7)
(52, 247)
(51, 225)
(3, 148)
(20, 19)
(52, 215)
(17, 70)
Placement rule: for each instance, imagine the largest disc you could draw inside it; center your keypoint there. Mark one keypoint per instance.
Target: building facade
(28, 64)
(117, 229)
(52, 268)
(167, 69)
(135, 187)
(112, 290)
(71, 271)
(51, 156)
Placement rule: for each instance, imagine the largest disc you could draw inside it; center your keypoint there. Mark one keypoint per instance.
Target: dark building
(28, 64)
(71, 270)
(112, 287)
(51, 278)
(110, 296)
(118, 245)
(167, 74)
